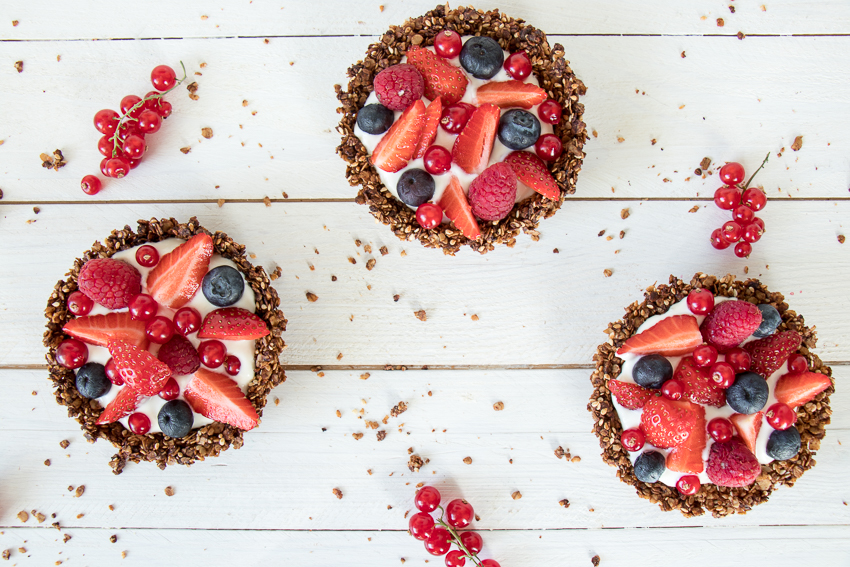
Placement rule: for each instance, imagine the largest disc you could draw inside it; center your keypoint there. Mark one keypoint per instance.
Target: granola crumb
(276, 273)
(683, 55)
(556, 251)
(312, 297)
(516, 495)
(23, 516)
(693, 209)
(370, 263)
(351, 260)
(7, 553)
(414, 463)
(499, 406)
(244, 102)
(624, 214)
(113, 538)
(357, 436)
(841, 239)
(80, 490)
(124, 554)
(64, 443)
(798, 143)
(575, 459)
(741, 35)
(559, 452)
(474, 317)
(595, 560)
(467, 460)
(15, 22)
(608, 273)
(565, 503)
(381, 435)
(267, 201)
(383, 250)
(620, 139)
(365, 376)
(653, 141)
(19, 66)
(333, 278)
(339, 356)
(207, 133)
(622, 234)
(169, 491)
(186, 150)
(41, 517)
(338, 493)
(421, 315)
(720, 22)
(396, 297)
(338, 413)
(46, 462)
(403, 253)
(398, 409)
(371, 424)
(65, 538)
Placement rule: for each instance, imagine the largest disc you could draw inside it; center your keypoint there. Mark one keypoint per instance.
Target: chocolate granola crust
(556, 78)
(207, 441)
(720, 501)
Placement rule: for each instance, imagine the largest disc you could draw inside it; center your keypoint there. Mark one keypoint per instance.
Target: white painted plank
(534, 307)
(761, 111)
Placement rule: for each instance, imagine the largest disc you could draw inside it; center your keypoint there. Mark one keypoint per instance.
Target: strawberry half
(748, 427)
(429, 128)
(474, 144)
(456, 207)
(123, 405)
(178, 275)
(218, 397)
(398, 145)
(442, 79)
(796, 389)
(629, 395)
(669, 424)
(770, 353)
(698, 385)
(687, 458)
(234, 324)
(531, 171)
(101, 329)
(506, 94)
(673, 336)
(140, 370)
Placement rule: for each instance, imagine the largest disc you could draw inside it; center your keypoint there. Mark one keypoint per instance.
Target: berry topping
(518, 65)
(217, 397)
(223, 286)
(139, 423)
(455, 558)
(629, 395)
(732, 173)
(722, 374)
(110, 282)
(180, 356)
(796, 389)
(704, 355)
(743, 214)
(79, 303)
(375, 118)
(455, 117)
(754, 198)
(415, 186)
(433, 114)
(748, 427)
(767, 355)
(175, 418)
(106, 121)
(399, 144)
(727, 198)
(732, 231)
(649, 466)
(123, 405)
(669, 424)
(399, 86)
(448, 44)
(212, 353)
(143, 307)
(442, 79)
(673, 336)
(720, 429)
(149, 122)
(783, 444)
(748, 394)
(770, 320)
(687, 457)
(163, 77)
(548, 147)
(633, 439)
(509, 94)
(531, 171)
(92, 381)
(472, 148)
(780, 416)
(187, 320)
(698, 384)
(700, 301)
(429, 215)
(739, 359)
(472, 541)
(437, 160)
(481, 57)
(232, 323)
(138, 368)
(117, 167)
(177, 276)
(459, 513)
(673, 389)
(456, 207)
(427, 499)
(493, 193)
(147, 256)
(743, 249)
(421, 525)
(91, 185)
(518, 129)
(732, 464)
(170, 391)
(159, 330)
(439, 542)
(101, 329)
(232, 365)
(652, 371)
(729, 323)
(718, 241)
(112, 373)
(752, 232)
(688, 484)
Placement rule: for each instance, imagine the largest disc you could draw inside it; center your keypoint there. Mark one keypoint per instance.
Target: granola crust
(720, 501)
(556, 78)
(207, 441)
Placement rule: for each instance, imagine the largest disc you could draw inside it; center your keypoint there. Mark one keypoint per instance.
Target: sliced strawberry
(232, 323)
(687, 458)
(669, 424)
(456, 207)
(748, 427)
(178, 275)
(698, 385)
(398, 145)
(629, 395)
(673, 336)
(218, 397)
(123, 405)
(429, 129)
(442, 79)
(101, 329)
(140, 370)
(770, 353)
(507, 94)
(475, 143)
(531, 170)
(796, 389)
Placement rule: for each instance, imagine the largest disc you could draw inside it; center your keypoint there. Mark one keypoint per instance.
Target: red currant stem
(456, 539)
(756, 171)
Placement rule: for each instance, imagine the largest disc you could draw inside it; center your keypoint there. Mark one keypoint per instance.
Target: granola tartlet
(207, 440)
(812, 416)
(549, 68)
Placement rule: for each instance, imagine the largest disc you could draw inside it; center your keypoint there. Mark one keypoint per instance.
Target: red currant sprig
(744, 201)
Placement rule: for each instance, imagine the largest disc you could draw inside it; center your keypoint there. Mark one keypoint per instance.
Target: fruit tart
(165, 341)
(707, 396)
(462, 127)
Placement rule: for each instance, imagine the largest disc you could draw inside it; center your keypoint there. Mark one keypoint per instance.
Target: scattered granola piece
(693, 209)
(207, 133)
(683, 55)
(653, 141)
(113, 538)
(565, 503)
(384, 251)
(80, 490)
(595, 133)
(267, 201)
(474, 317)
(403, 253)
(704, 164)
(414, 463)
(351, 260)
(798, 143)
(516, 495)
(192, 88)
(365, 376)
(169, 491)
(15, 22)
(396, 297)
(186, 150)
(23, 516)
(381, 436)
(421, 315)
(65, 538)
(741, 35)
(467, 460)
(370, 264)
(204, 17)
(19, 66)
(7, 553)
(339, 356)
(64, 443)
(556, 251)
(595, 558)
(371, 424)
(622, 234)
(338, 413)
(609, 237)
(624, 214)
(559, 452)
(608, 273)
(601, 232)
(357, 436)
(763, 8)
(575, 459)
(681, 107)
(41, 517)
(841, 239)
(398, 409)
(499, 406)
(333, 278)
(720, 22)
(124, 554)
(46, 462)
(312, 297)
(620, 139)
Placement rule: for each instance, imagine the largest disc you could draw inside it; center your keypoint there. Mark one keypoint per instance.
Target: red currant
(79, 303)
(427, 499)
(732, 231)
(134, 163)
(112, 373)
(490, 563)
(722, 374)
(134, 147)
(160, 330)
(743, 249)
(705, 355)
(673, 389)
(739, 359)
(720, 429)
(147, 256)
(125, 131)
(90, 185)
(688, 484)
(518, 65)
(127, 106)
(212, 353)
(103, 163)
(633, 439)
(454, 118)
(752, 232)
(759, 222)
(421, 525)
(139, 423)
(754, 198)
(170, 391)
(700, 301)
(717, 240)
(472, 541)
(781, 416)
(732, 173)
(727, 198)
(106, 121)
(743, 214)
(429, 215)
(548, 147)
(232, 365)
(437, 160)
(143, 307)
(455, 558)
(105, 145)
(117, 167)
(458, 513)
(187, 320)
(163, 77)
(165, 109)
(797, 363)
(72, 353)
(439, 542)
(149, 122)
(448, 44)
(152, 101)
(549, 111)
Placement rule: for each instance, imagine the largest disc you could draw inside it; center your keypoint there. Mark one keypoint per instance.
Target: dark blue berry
(175, 418)
(518, 129)
(649, 466)
(415, 186)
(92, 381)
(748, 394)
(375, 118)
(783, 444)
(482, 57)
(652, 371)
(223, 286)
(770, 320)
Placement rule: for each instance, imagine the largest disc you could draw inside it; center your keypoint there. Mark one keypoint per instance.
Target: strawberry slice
(398, 145)
(218, 397)
(101, 329)
(442, 79)
(629, 395)
(140, 370)
(669, 424)
(178, 275)
(748, 427)
(698, 385)
(456, 207)
(673, 336)
(687, 458)
(770, 353)
(232, 323)
(531, 170)
(123, 405)
(429, 129)
(475, 143)
(507, 94)
(796, 389)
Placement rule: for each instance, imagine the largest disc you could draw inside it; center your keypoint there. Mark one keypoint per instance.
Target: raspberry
(180, 356)
(112, 283)
(493, 193)
(732, 464)
(729, 323)
(399, 86)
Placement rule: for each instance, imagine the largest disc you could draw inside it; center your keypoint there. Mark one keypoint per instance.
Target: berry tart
(165, 341)
(462, 127)
(707, 396)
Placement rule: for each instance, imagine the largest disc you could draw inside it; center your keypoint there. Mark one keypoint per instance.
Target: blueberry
(783, 444)
(482, 57)
(416, 186)
(748, 394)
(652, 371)
(175, 418)
(770, 320)
(92, 381)
(223, 286)
(518, 129)
(649, 466)
(375, 118)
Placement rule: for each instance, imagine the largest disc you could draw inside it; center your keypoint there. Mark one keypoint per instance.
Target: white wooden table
(541, 314)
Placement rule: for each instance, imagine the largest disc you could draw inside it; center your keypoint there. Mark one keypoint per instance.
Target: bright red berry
(163, 77)
(134, 163)
(700, 301)
(139, 423)
(152, 101)
(105, 145)
(732, 231)
(71, 353)
(454, 118)
(427, 499)
(739, 359)
(688, 484)
(455, 558)
(743, 249)
(727, 198)
(232, 365)
(127, 106)
(472, 541)
(717, 240)
(170, 391)
(429, 215)
(90, 185)
(548, 147)
(117, 167)
(103, 163)
(106, 121)
(549, 111)
(212, 353)
(490, 563)
(399, 86)
(780, 416)
(797, 363)
(754, 198)
(705, 355)
(732, 173)
(721, 429)
(110, 282)
(448, 44)
(673, 389)
(752, 232)
(134, 147)
(112, 373)
(160, 330)
(164, 109)
(143, 307)
(421, 525)
(187, 320)
(743, 214)
(149, 122)
(79, 303)
(458, 513)
(437, 160)
(518, 65)
(439, 542)
(147, 256)
(633, 439)
(722, 374)
(758, 222)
